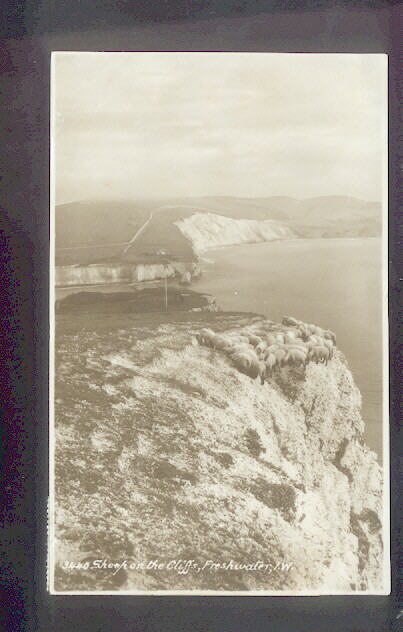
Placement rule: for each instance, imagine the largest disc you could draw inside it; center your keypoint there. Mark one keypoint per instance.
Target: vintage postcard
(219, 336)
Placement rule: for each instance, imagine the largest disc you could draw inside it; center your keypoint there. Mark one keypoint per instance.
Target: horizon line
(221, 196)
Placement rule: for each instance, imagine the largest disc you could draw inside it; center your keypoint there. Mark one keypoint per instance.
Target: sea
(334, 283)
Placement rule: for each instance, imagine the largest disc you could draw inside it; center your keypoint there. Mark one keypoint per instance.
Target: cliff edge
(164, 451)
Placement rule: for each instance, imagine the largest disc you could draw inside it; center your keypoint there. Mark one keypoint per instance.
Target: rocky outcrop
(164, 451)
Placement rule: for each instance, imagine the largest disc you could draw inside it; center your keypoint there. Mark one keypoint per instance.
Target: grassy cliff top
(165, 451)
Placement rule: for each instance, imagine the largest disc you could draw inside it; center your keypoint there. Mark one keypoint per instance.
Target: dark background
(29, 32)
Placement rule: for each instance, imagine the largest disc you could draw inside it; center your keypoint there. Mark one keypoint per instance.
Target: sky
(157, 125)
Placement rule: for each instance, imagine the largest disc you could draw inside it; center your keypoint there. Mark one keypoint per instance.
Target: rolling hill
(91, 231)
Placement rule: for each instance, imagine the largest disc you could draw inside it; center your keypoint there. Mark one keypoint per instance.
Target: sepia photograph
(218, 324)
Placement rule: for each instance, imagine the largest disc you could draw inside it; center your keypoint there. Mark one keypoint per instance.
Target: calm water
(335, 283)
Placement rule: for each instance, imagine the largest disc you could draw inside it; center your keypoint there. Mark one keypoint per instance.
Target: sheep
(291, 336)
(271, 350)
(330, 335)
(329, 344)
(221, 342)
(241, 347)
(275, 337)
(237, 338)
(302, 348)
(206, 337)
(206, 332)
(270, 364)
(296, 357)
(294, 332)
(315, 339)
(249, 364)
(257, 369)
(254, 340)
(243, 352)
(304, 331)
(259, 355)
(297, 342)
(288, 320)
(247, 346)
(322, 342)
(280, 355)
(243, 338)
(319, 353)
(260, 348)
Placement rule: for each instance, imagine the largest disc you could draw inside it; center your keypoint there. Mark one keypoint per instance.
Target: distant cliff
(165, 451)
(91, 231)
(208, 230)
(107, 273)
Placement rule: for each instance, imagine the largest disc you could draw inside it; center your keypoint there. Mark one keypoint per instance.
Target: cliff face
(165, 451)
(208, 230)
(101, 274)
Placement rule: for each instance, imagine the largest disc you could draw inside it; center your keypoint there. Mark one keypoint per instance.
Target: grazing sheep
(206, 336)
(223, 343)
(241, 347)
(280, 354)
(292, 336)
(330, 335)
(319, 353)
(257, 369)
(244, 338)
(254, 340)
(304, 331)
(244, 355)
(207, 332)
(260, 348)
(259, 355)
(288, 320)
(249, 364)
(315, 339)
(271, 350)
(296, 357)
(270, 364)
(237, 338)
(303, 348)
(329, 344)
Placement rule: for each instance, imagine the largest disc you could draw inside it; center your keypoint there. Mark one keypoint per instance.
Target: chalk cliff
(106, 273)
(208, 230)
(165, 451)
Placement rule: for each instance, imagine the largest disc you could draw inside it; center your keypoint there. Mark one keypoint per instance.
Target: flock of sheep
(295, 344)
